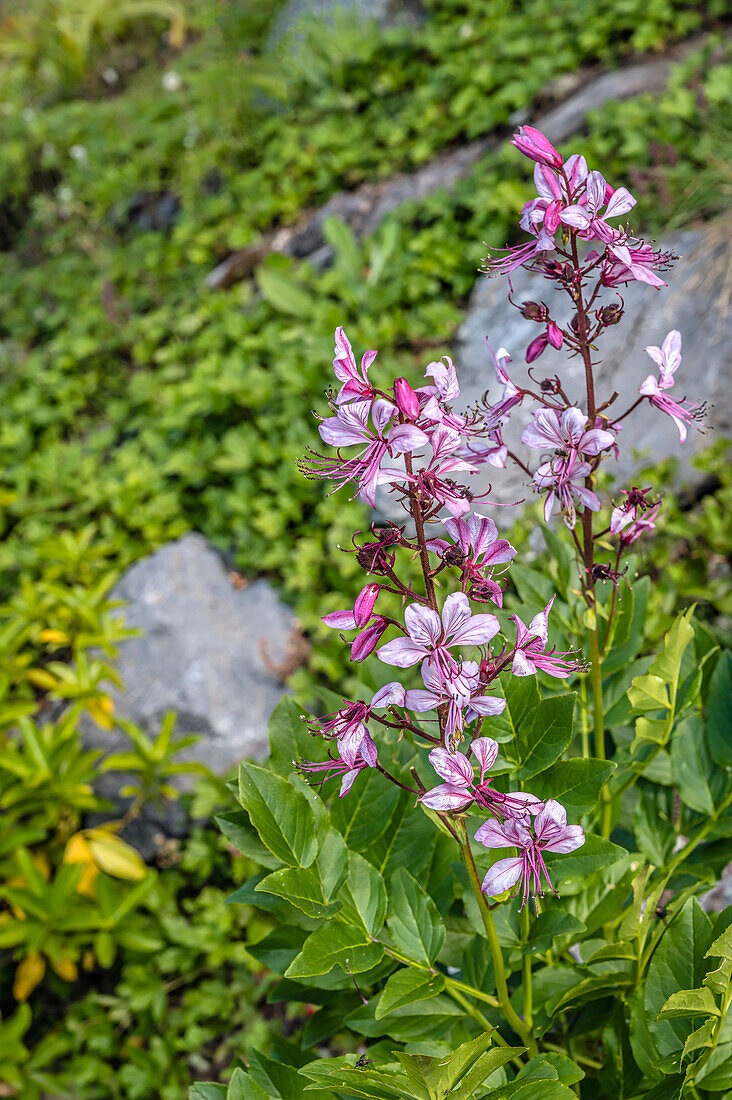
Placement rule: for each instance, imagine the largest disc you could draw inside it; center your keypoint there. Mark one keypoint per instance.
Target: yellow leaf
(115, 856)
(66, 969)
(101, 711)
(87, 959)
(77, 850)
(42, 679)
(53, 636)
(27, 976)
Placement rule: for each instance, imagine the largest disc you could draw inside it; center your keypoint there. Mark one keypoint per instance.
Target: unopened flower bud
(536, 348)
(532, 311)
(550, 385)
(532, 143)
(364, 605)
(366, 642)
(554, 335)
(406, 399)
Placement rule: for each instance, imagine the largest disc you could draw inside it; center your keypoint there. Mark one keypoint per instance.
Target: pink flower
(350, 427)
(568, 433)
(533, 144)
(537, 347)
(406, 399)
(355, 383)
(586, 217)
(460, 690)
(433, 488)
(668, 359)
(477, 549)
(549, 832)
(627, 262)
(430, 636)
(629, 511)
(348, 725)
(496, 415)
(640, 525)
(565, 480)
(531, 653)
(365, 758)
(460, 789)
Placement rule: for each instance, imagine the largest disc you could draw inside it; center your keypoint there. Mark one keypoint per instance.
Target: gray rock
(208, 651)
(694, 302)
(721, 896)
(386, 13)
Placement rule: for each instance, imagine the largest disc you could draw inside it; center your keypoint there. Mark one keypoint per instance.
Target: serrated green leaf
(335, 944)
(363, 895)
(301, 887)
(282, 816)
(544, 734)
(413, 921)
(689, 1002)
(407, 986)
(574, 783)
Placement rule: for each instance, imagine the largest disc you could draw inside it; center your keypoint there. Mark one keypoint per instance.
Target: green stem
(598, 723)
(584, 711)
(526, 970)
(510, 1014)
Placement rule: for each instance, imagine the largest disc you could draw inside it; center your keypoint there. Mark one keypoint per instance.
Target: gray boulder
(211, 652)
(387, 13)
(694, 303)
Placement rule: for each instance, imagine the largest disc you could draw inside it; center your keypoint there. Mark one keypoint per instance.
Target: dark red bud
(610, 315)
(454, 555)
(406, 399)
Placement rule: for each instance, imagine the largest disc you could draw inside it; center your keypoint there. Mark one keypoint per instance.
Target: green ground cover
(138, 402)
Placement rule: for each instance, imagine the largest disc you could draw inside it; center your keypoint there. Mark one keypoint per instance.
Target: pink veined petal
(656, 355)
(381, 413)
(492, 834)
(502, 876)
(368, 750)
(576, 170)
(423, 624)
(401, 652)
(485, 751)
(483, 532)
(455, 613)
(522, 633)
(344, 364)
(405, 437)
(672, 351)
(419, 700)
(453, 767)
(595, 191)
(487, 705)
(367, 359)
(480, 630)
(340, 620)
(348, 781)
(437, 546)
(549, 506)
(573, 425)
(621, 202)
(444, 441)
(350, 742)
(459, 532)
(446, 797)
(576, 217)
(365, 642)
(589, 499)
(596, 440)
(367, 487)
(572, 838)
(649, 388)
(552, 819)
(364, 605)
(500, 552)
(390, 693)
(521, 665)
(539, 625)
(337, 434)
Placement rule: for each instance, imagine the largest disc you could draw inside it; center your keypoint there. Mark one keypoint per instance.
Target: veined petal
(539, 625)
(485, 751)
(340, 620)
(576, 217)
(620, 203)
(453, 767)
(491, 833)
(572, 838)
(390, 693)
(487, 705)
(419, 700)
(423, 624)
(348, 781)
(455, 613)
(480, 630)
(502, 876)
(446, 797)
(522, 665)
(401, 652)
(406, 437)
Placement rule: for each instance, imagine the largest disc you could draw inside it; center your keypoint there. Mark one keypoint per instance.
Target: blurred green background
(142, 144)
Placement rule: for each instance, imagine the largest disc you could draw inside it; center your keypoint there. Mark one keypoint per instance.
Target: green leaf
(547, 926)
(407, 986)
(418, 1022)
(691, 764)
(278, 949)
(719, 711)
(332, 863)
(343, 1074)
(574, 783)
(282, 292)
(543, 734)
(282, 816)
(242, 1087)
(301, 887)
(667, 665)
(632, 618)
(238, 831)
(414, 923)
(367, 812)
(648, 692)
(689, 1002)
(596, 852)
(721, 948)
(334, 944)
(363, 895)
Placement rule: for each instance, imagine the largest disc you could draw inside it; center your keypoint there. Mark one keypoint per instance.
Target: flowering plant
(461, 895)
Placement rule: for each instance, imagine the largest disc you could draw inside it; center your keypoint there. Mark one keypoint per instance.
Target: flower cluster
(415, 444)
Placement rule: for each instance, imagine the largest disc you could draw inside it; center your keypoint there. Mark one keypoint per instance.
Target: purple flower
(350, 427)
(460, 789)
(531, 653)
(429, 636)
(586, 217)
(348, 724)
(549, 832)
(568, 433)
(565, 480)
(477, 549)
(668, 359)
(355, 383)
(496, 415)
(627, 262)
(318, 772)
(433, 487)
(640, 525)
(629, 511)
(459, 689)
